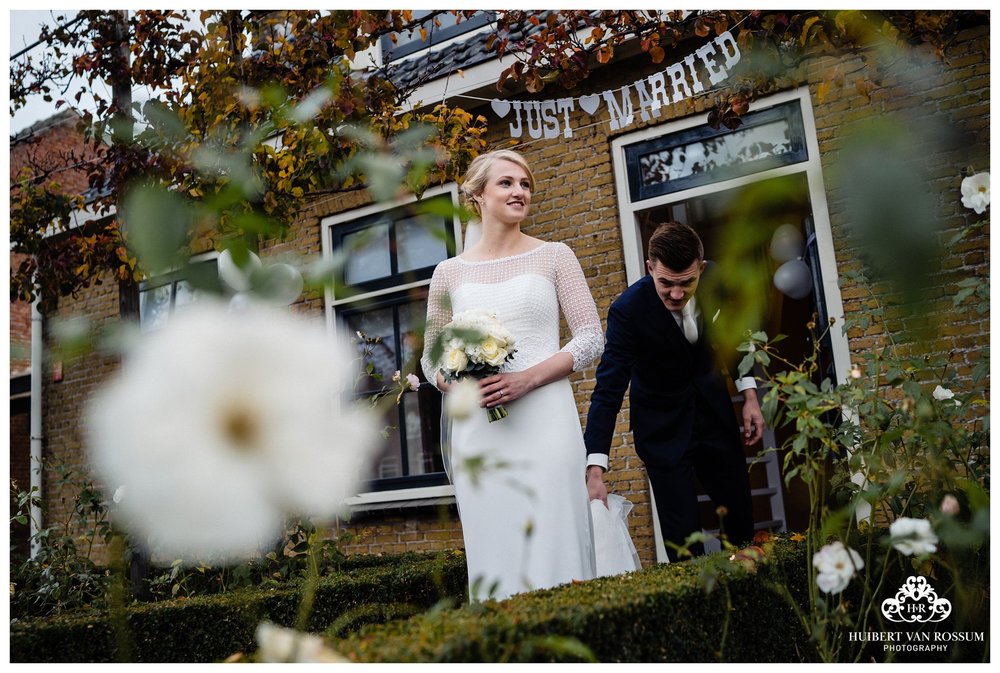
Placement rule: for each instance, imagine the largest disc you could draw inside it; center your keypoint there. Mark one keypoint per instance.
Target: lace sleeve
(578, 306)
(438, 315)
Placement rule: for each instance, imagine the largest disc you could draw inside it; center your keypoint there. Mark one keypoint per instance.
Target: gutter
(36, 428)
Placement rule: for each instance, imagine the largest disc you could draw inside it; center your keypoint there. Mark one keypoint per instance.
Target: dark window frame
(435, 34)
(340, 232)
(346, 307)
(394, 300)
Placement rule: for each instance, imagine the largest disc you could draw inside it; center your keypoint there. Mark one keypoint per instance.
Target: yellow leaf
(805, 29)
(822, 90)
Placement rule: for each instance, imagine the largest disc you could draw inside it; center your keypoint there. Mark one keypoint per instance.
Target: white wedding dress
(519, 481)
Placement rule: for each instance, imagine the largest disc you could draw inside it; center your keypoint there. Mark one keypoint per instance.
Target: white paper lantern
(237, 278)
(787, 243)
(278, 284)
(793, 279)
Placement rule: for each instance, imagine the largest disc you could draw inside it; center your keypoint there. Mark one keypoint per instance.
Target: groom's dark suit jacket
(647, 349)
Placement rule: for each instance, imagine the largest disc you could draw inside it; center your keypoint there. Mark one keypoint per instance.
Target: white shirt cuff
(745, 382)
(599, 459)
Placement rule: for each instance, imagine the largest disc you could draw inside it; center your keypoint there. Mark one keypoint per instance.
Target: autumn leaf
(822, 90)
(805, 29)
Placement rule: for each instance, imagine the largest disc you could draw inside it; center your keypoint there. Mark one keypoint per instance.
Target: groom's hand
(596, 488)
(753, 419)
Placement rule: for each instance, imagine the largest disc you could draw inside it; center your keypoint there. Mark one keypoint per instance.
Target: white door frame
(632, 239)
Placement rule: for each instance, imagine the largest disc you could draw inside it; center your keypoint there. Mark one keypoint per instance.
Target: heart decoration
(590, 103)
(501, 107)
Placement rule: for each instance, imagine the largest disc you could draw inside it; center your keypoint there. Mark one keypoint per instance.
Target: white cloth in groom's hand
(613, 548)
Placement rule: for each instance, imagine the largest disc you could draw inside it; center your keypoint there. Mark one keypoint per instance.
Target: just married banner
(683, 79)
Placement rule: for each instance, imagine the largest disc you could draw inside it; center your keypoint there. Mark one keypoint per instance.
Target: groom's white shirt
(687, 320)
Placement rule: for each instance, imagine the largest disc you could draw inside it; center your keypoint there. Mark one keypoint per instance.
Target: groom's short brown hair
(676, 246)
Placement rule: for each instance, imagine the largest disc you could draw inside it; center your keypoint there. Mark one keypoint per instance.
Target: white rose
(498, 358)
(489, 349)
(913, 536)
(456, 360)
(836, 564)
(976, 192)
(941, 394)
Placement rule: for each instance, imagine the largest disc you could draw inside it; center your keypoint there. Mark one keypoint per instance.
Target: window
(412, 41)
(701, 155)
(161, 296)
(381, 304)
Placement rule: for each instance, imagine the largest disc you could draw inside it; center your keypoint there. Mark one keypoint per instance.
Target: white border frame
(360, 501)
(812, 167)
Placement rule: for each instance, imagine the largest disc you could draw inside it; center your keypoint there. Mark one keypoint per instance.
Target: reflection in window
(412, 429)
(393, 247)
(434, 30)
(159, 297)
(715, 154)
(702, 155)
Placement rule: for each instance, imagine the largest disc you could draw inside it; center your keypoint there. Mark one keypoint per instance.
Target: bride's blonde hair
(475, 178)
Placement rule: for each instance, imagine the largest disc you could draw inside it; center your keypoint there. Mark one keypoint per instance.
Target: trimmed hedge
(659, 614)
(211, 628)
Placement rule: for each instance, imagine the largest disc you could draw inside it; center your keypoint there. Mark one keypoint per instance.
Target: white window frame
(368, 500)
(812, 168)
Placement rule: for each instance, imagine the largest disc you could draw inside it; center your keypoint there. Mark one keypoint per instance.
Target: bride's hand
(501, 388)
(442, 385)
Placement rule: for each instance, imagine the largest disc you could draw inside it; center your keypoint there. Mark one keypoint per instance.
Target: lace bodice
(526, 292)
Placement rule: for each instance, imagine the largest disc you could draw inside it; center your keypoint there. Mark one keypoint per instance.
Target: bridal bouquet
(476, 345)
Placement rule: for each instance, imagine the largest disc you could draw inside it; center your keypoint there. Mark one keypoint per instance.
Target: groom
(682, 417)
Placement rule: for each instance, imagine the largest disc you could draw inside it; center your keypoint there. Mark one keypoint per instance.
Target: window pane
(411, 330)
(368, 254)
(373, 324)
(420, 243)
(717, 154)
(389, 462)
(154, 307)
(422, 413)
(184, 294)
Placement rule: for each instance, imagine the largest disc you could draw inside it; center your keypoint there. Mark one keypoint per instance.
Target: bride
(519, 481)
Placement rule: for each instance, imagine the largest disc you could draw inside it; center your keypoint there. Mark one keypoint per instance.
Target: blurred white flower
(119, 495)
(942, 394)
(278, 645)
(836, 564)
(855, 372)
(913, 536)
(976, 192)
(463, 398)
(950, 505)
(221, 424)
(413, 381)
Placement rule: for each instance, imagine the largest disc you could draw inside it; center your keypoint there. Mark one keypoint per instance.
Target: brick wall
(67, 386)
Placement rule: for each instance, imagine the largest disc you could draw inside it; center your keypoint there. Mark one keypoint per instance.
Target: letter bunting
(551, 118)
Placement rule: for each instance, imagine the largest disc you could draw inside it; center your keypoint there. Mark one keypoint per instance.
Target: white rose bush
(900, 440)
(476, 345)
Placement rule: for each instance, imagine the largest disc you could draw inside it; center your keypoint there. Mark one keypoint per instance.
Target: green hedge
(211, 628)
(659, 614)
